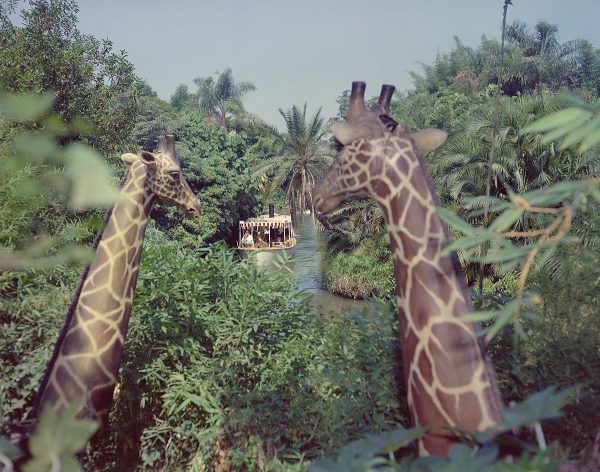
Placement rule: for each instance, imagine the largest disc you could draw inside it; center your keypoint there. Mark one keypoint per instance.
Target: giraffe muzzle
(193, 212)
(325, 203)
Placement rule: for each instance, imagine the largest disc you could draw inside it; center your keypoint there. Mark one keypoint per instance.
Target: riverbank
(360, 272)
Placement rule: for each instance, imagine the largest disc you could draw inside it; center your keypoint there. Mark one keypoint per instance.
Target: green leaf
(464, 459)
(506, 219)
(508, 266)
(554, 194)
(539, 406)
(590, 141)
(504, 254)
(545, 255)
(466, 243)
(35, 146)
(456, 222)
(81, 126)
(55, 125)
(478, 316)
(57, 439)
(555, 120)
(501, 321)
(26, 106)
(503, 318)
(364, 454)
(565, 129)
(90, 177)
(578, 135)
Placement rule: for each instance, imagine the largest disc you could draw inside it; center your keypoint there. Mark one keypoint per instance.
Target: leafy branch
(38, 166)
(552, 209)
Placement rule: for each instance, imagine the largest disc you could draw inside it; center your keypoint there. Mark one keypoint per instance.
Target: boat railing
(266, 245)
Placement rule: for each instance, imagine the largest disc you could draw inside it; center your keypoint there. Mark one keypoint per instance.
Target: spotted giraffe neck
(87, 355)
(450, 380)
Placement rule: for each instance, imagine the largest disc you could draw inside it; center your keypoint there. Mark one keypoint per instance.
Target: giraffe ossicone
(87, 355)
(450, 380)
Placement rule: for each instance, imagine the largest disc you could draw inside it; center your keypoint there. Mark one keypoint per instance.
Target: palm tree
(522, 162)
(356, 220)
(543, 58)
(304, 156)
(222, 97)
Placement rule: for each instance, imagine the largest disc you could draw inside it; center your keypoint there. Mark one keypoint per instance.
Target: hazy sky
(309, 51)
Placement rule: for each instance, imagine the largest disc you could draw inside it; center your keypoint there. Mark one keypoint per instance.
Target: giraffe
(450, 381)
(86, 358)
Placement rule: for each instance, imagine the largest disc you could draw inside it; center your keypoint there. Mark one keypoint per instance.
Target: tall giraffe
(450, 380)
(86, 358)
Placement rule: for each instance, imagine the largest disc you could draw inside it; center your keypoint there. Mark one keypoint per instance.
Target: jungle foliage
(229, 368)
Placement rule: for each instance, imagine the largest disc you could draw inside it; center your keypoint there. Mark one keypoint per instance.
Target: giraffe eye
(174, 175)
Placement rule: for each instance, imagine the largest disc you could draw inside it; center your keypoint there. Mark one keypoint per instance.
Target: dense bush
(363, 272)
(226, 365)
(32, 310)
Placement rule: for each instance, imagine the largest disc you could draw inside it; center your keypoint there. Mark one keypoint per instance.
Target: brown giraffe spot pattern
(89, 355)
(448, 383)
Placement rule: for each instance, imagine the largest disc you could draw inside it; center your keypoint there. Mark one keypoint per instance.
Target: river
(307, 264)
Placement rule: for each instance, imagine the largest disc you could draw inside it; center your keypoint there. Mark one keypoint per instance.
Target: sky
(309, 51)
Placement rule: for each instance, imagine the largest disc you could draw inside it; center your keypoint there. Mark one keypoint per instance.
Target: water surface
(307, 256)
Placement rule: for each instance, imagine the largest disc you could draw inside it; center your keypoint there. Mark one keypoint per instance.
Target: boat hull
(266, 256)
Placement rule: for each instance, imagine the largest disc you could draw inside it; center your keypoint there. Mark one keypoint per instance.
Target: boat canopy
(264, 221)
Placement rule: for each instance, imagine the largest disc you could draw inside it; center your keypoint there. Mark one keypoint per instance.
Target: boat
(266, 238)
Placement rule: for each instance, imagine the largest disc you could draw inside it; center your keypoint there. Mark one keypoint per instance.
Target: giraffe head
(164, 178)
(372, 145)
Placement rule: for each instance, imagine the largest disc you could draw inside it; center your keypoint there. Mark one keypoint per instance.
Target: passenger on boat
(260, 242)
(247, 240)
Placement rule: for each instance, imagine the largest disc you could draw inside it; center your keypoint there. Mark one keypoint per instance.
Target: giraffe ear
(148, 159)
(345, 133)
(129, 158)
(429, 139)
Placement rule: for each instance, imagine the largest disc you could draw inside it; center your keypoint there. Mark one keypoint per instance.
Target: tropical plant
(544, 59)
(222, 97)
(233, 370)
(182, 99)
(522, 161)
(529, 59)
(304, 156)
(482, 452)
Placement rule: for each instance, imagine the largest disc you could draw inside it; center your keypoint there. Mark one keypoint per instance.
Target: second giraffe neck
(450, 382)
(88, 353)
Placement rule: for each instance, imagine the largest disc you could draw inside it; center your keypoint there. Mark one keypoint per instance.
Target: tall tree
(155, 117)
(303, 158)
(182, 98)
(522, 161)
(48, 53)
(544, 59)
(222, 97)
